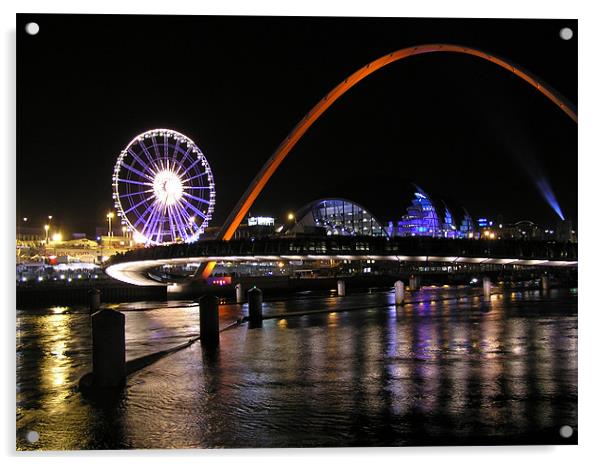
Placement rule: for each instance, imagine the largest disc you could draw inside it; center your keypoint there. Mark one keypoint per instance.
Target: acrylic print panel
(295, 232)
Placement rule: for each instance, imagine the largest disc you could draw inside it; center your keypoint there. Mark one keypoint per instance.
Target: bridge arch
(268, 169)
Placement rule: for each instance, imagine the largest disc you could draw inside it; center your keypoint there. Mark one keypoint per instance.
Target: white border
(590, 225)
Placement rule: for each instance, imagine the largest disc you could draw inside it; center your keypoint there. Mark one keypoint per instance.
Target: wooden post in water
(94, 300)
(255, 298)
(209, 320)
(108, 348)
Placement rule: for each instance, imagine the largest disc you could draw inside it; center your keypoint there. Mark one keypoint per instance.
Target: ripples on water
(437, 372)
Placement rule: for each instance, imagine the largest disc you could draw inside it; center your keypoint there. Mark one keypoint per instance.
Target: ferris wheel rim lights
(161, 190)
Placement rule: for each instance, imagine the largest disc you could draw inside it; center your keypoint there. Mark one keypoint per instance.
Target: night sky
(465, 130)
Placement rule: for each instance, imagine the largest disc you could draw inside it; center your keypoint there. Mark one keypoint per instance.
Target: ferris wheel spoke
(136, 193)
(155, 223)
(149, 225)
(180, 221)
(193, 208)
(200, 199)
(190, 222)
(197, 187)
(141, 217)
(188, 150)
(165, 145)
(138, 172)
(129, 181)
(141, 162)
(171, 223)
(159, 234)
(150, 158)
(145, 200)
(157, 152)
(192, 165)
(186, 220)
(174, 157)
(179, 167)
(204, 173)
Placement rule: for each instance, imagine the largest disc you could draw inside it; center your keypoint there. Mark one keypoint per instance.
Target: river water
(362, 372)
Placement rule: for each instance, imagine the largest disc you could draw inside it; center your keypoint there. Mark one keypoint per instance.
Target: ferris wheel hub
(168, 187)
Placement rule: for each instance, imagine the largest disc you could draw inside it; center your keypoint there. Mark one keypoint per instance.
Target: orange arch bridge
(259, 182)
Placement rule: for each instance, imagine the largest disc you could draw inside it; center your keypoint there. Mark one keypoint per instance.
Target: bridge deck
(131, 266)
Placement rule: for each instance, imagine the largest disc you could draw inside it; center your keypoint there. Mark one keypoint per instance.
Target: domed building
(424, 216)
(336, 217)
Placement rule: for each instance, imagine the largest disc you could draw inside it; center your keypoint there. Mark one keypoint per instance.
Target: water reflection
(440, 372)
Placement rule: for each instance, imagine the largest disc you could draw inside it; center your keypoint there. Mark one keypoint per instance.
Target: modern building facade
(427, 217)
(336, 217)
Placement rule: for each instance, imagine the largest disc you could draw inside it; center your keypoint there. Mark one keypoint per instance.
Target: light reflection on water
(441, 372)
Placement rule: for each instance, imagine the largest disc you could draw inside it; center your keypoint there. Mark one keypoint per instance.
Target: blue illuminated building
(448, 227)
(467, 227)
(423, 218)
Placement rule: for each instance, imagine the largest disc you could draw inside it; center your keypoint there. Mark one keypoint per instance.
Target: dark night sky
(461, 127)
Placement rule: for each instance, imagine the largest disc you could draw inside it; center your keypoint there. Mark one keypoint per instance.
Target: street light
(291, 216)
(21, 236)
(110, 216)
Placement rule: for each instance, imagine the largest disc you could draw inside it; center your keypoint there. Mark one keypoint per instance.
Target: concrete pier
(240, 295)
(486, 289)
(399, 292)
(255, 298)
(544, 284)
(209, 320)
(94, 300)
(108, 348)
(340, 287)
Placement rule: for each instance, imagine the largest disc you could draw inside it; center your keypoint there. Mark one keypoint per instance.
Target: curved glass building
(424, 217)
(336, 217)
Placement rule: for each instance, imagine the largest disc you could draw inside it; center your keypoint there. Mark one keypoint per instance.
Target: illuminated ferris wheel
(163, 188)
